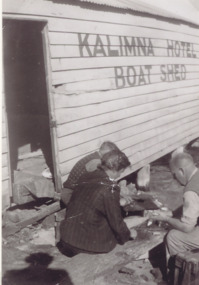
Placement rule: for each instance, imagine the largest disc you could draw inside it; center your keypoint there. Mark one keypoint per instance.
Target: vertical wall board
(5, 170)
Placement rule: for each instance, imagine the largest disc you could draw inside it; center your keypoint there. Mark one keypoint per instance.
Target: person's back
(93, 220)
(79, 170)
(86, 212)
(87, 164)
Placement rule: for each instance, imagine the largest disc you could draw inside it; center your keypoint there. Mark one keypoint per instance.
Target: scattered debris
(126, 270)
(44, 237)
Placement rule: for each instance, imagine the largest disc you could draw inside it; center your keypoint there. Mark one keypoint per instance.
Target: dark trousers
(70, 250)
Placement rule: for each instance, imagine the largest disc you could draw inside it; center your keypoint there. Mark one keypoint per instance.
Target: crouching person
(93, 222)
(185, 233)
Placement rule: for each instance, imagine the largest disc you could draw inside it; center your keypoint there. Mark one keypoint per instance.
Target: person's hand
(162, 216)
(57, 196)
(133, 233)
(125, 200)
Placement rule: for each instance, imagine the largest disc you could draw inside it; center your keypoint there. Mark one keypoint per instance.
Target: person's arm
(175, 223)
(113, 214)
(66, 194)
(189, 217)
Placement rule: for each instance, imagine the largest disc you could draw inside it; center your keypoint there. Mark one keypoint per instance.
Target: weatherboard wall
(120, 76)
(5, 174)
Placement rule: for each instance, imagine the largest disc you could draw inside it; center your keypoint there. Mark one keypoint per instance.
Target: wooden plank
(113, 126)
(52, 9)
(5, 186)
(186, 139)
(68, 128)
(3, 115)
(4, 146)
(11, 229)
(190, 128)
(146, 135)
(71, 39)
(78, 26)
(145, 149)
(120, 132)
(65, 101)
(72, 100)
(50, 105)
(62, 77)
(65, 115)
(96, 62)
(3, 132)
(158, 135)
(138, 148)
(5, 173)
(171, 147)
(123, 82)
(131, 107)
(64, 51)
(93, 133)
(4, 160)
(5, 195)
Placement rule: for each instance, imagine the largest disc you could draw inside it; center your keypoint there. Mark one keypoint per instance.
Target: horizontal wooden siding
(129, 79)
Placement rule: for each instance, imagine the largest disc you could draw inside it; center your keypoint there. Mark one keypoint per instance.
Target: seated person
(86, 164)
(93, 222)
(185, 233)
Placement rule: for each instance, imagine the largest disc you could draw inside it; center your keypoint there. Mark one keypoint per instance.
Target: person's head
(182, 167)
(106, 147)
(114, 163)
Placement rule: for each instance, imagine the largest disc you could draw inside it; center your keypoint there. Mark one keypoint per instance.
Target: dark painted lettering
(129, 46)
(177, 49)
(131, 75)
(119, 77)
(183, 72)
(111, 52)
(170, 72)
(150, 50)
(148, 68)
(177, 75)
(162, 69)
(169, 48)
(189, 50)
(121, 46)
(192, 50)
(83, 44)
(99, 48)
(141, 46)
(183, 48)
(141, 79)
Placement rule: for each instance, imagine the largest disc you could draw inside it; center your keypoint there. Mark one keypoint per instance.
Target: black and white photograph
(100, 142)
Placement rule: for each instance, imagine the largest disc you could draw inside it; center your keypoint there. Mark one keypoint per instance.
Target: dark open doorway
(26, 98)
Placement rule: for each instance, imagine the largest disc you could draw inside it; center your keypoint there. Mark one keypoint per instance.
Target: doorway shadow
(26, 97)
(37, 273)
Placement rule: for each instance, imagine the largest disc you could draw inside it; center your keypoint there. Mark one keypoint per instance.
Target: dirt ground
(28, 261)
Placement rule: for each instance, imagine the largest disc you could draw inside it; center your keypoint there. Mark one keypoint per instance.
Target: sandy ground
(25, 262)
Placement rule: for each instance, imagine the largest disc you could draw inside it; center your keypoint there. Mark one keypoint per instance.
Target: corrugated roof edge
(184, 12)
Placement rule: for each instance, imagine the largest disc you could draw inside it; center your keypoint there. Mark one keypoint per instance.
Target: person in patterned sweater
(87, 164)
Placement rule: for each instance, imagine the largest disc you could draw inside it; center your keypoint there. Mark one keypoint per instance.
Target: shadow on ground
(37, 273)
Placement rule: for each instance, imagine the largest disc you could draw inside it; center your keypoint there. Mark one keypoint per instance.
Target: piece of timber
(76, 26)
(59, 64)
(111, 262)
(12, 229)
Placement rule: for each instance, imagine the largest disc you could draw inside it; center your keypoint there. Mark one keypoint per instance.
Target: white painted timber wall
(116, 76)
(6, 190)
